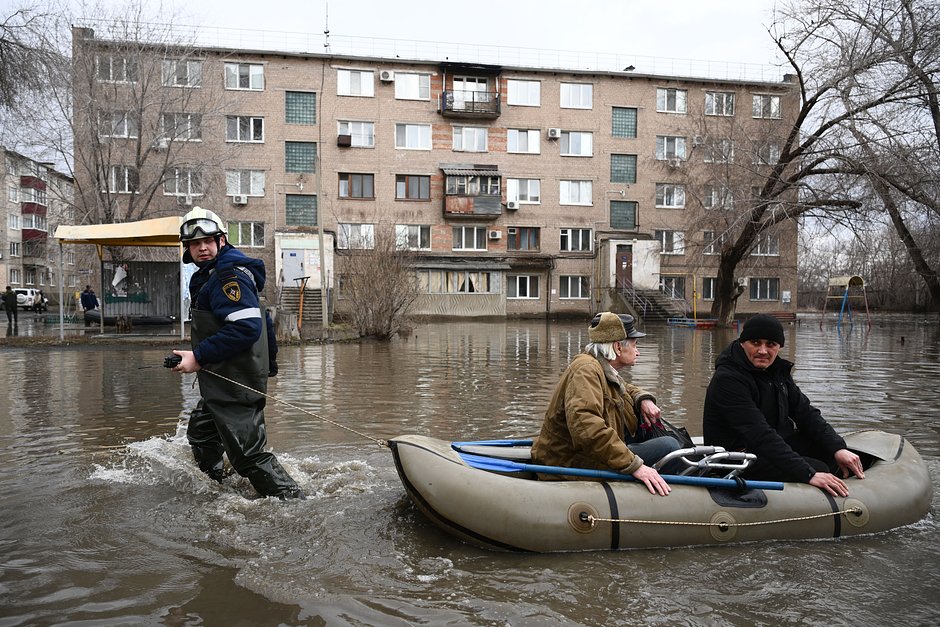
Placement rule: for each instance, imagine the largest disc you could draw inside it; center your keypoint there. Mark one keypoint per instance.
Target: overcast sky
(712, 30)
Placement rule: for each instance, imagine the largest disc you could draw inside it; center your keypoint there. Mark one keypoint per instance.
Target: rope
(594, 520)
(378, 441)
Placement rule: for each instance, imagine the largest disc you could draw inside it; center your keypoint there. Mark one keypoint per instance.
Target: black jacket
(755, 410)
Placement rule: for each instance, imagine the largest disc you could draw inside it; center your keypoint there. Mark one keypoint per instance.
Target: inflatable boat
(486, 493)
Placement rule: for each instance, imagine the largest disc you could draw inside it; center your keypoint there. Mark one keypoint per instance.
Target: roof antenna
(326, 29)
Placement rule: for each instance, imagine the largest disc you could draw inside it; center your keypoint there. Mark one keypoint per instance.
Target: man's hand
(654, 483)
(189, 363)
(650, 413)
(830, 483)
(850, 463)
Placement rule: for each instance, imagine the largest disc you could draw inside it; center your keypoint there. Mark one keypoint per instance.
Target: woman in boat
(753, 404)
(594, 415)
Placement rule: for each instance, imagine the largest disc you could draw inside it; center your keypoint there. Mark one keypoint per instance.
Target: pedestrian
(232, 337)
(752, 404)
(89, 301)
(593, 420)
(9, 305)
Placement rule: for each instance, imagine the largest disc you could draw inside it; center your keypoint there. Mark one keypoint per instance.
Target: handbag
(660, 428)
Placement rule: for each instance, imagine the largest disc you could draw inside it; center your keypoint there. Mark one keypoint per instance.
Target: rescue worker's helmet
(199, 223)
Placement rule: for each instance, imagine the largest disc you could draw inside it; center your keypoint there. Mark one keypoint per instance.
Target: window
(181, 73)
(458, 282)
(469, 139)
(117, 124)
(244, 182)
(469, 238)
(183, 182)
(623, 214)
(719, 151)
(355, 236)
(412, 187)
(181, 126)
(766, 106)
(11, 166)
(300, 107)
(673, 287)
(768, 245)
(472, 185)
(671, 100)
(717, 197)
(764, 288)
(522, 238)
(301, 210)
(708, 288)
(14, 275)
(413, 237)
(355, 83)
(300, 156)
(523, 140)
(713, 242)
(575, 192)
(12, 194)
(243, 128)
(623, 169)
(523, 93)
(14, 249)
(719, 103)
(766, 153)
(31, 194)
(362, 133)
(122, 179)
(624, 122)
(574, 287)
(668, 147)
(356, 185)
(577, 95)
(524, 190)
(244, 76)
(35, 222)
(116, 69)
(574, 240)
(672, 242)
(14, 222)
(410, 86)
(577, 144)
(246, 234)
(670, 196)
(522, 286)
(413, 136)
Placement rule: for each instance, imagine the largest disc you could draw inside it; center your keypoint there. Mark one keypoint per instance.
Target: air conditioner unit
(240, 199)
(161, 143)
(512, 205)
(344, 141)
(674, 163)
(743, 281)
(184, 201)
(386, 76)
(698, 140)
(496, 234)
(554, 133)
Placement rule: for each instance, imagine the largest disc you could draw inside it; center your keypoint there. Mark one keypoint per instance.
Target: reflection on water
(105, 518)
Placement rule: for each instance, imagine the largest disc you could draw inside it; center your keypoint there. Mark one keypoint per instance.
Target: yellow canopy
(155, 232)
(847, 281)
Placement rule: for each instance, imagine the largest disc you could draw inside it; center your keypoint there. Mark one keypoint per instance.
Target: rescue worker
(232, 336)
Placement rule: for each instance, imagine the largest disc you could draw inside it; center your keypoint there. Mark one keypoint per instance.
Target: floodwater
(105, 520)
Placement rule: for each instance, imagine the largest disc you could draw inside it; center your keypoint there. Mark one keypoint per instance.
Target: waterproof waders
(230, 418)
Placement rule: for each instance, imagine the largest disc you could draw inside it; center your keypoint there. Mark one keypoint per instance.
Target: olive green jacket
(590, 410)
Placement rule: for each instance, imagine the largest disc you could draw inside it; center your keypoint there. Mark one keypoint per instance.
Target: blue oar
(504, 465)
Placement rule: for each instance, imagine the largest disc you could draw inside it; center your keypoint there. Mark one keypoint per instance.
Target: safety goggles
(206, 227)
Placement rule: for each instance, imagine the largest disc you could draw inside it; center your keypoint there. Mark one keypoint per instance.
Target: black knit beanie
(763, 327)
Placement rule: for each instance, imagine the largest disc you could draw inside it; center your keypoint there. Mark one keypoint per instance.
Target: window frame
(253, 226)
(460, 243)
(585, 148)
(565, 283)
(255, 180)
(294, 112)
(171, 73)
(424, 134)
(718, 103)
(565, 187)
(348, 181)
(662, 147)
(233, 70)
(568, 235)
(475, 133)
(670, 196)
(361, 132)
(524, 238)
(422, 86)
(764, 289)
(344, 80)
(513, 136)
(674, 238)
(420, 233)
(254, 122)
(513, 91)
(514, 191)
(364, 236)
(531, 281)
(766, 107)
(423, 185)
(680, 98)
(574, 95)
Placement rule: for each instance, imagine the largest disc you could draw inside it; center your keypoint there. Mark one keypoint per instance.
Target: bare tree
(378, 302)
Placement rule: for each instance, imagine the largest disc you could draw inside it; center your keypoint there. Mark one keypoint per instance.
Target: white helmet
(199, 223)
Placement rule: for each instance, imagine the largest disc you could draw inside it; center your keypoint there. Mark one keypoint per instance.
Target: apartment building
(522, 191)
(36, 197)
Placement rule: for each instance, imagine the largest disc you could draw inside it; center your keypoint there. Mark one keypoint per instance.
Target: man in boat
(232, 336)
(752, 404)
(594, 415)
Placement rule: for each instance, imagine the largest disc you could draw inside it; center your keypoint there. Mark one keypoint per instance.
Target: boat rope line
(376, 440)
(593, 520)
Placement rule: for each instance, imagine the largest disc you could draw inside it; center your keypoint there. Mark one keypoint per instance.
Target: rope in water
(378, 441)
(594, 520)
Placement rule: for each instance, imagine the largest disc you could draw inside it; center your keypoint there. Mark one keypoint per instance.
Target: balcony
(470, 104)
(472, 207)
